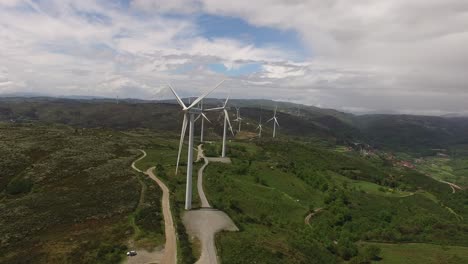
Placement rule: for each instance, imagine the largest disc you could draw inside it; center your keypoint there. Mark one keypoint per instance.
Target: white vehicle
(131, 253)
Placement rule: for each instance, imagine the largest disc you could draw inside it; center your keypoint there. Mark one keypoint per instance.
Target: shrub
(372, 252)
(18, 186)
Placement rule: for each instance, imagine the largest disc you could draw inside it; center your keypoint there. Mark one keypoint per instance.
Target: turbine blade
(270, 119)
(206, 118)
(229, 122)
(204, 95)
(213, 109)
(181, 103)
(227, 99)
(276, 121)
(196, 118)
(181, 143)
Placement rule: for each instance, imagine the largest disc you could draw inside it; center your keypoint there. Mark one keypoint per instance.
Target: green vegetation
(369, 187)
(162, 157)
(449, 169)
(410, 253)
(67, 184)
(269, 189)
(17, 186)
(147, 220)
(71, 193)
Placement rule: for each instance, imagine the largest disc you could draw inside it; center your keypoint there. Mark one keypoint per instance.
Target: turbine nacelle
(196, 111)
(190, 110)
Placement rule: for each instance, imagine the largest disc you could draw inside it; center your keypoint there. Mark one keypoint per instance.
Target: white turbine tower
(189, 116)
(226, 122)
(275, 122)
(238, 119)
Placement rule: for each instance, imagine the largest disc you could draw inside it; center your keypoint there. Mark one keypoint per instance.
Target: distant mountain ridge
(266, 103)
(396, 132)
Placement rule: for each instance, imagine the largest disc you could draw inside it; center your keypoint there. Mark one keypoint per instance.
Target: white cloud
(280, 72)
(10, 3)
(378, 47)
(163, 6)
(51, 44)
(393, 54)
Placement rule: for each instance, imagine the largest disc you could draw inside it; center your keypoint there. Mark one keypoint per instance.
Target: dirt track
(452, 185)
(170, 249)
(309, 216)
(169, 253)
(206, 222)
(201, 192)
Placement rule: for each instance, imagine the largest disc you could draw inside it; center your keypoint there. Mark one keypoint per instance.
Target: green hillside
(269, 189)
(371, 185)
(69, 195)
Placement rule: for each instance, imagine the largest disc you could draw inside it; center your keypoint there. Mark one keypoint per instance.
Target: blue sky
(244, 69)
(213, 27)
(224, 26)
(358, 56)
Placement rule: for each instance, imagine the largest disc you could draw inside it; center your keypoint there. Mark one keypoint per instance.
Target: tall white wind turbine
(226, 122)
(275, 122)
(189, 117)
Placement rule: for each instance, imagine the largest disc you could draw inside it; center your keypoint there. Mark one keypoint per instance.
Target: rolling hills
(372, 183)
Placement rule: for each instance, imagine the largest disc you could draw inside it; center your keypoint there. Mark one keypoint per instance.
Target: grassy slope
(369, 187)
(453, 170)
(80, 195)
(267, 204)
(410, 253)
(305, 168)
(269, 189)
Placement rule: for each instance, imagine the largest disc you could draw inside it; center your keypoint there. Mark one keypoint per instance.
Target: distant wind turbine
(238, 119)
(226, 122)
(189, 117)
(275, 122)
(203, 118)
(259, 128)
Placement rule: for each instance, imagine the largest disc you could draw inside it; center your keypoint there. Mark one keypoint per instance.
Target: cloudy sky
(406, 56)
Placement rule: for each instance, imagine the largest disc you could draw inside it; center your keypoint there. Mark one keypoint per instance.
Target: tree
(311, 207)
(347, 249)
(372, 252)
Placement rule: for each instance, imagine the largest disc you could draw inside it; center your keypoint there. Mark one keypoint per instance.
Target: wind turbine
(259, 128)
(238, 119)
(226, 122)
(203, 118)
(189, 117)
(275, 122)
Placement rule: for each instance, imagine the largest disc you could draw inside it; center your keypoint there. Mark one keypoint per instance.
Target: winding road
(201, 192)
(452, 185)
(170, 249)
(309, 216)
